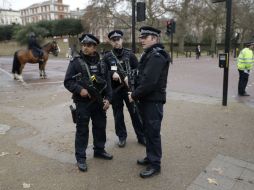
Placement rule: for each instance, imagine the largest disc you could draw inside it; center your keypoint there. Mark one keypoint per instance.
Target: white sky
(20, 4)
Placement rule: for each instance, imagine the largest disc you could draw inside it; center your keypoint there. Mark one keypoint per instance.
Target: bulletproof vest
(119, 62)
(97, 68)
(96, 74)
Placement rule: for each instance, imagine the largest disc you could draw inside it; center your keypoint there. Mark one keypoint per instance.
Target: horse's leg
(43, 70)
(15, 76)
(19, 76)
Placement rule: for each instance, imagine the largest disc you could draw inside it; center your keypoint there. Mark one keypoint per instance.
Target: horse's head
(55, 48)
(52, 47)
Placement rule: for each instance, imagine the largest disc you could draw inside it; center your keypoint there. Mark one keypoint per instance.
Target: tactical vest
(95, 73)
(97, 69)
(122, 63)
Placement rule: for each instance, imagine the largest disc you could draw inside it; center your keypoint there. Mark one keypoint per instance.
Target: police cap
(115, 33)
(148, 30)
(89, 38)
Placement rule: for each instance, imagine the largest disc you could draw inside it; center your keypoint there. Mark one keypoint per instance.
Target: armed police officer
(151, 93)
(121, 62)
(35, 47)
(87, 78)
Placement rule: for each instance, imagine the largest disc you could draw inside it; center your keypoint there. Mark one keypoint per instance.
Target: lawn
(9, 48)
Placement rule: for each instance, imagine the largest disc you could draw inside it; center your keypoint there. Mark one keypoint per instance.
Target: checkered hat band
(87, 39)
(115, 35)
(145, 32)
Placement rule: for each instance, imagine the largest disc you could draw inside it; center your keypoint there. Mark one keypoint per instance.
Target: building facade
(77, 14)
(48, 10)
(8, 17)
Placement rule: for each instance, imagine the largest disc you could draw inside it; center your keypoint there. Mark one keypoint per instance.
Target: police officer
(88, 64)
(122, 61)
(34, 46)
(151, 93)
(245, 63)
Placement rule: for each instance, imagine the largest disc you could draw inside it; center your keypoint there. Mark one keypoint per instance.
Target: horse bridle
(56, 48)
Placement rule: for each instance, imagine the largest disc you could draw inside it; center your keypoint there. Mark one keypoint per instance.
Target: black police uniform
(35, 47)
(123, 59)
(151, 93)
(87, 108)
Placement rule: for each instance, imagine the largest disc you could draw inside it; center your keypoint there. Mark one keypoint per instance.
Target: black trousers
(152, 114)
(243, 81)
(118, 100)
(98, 117)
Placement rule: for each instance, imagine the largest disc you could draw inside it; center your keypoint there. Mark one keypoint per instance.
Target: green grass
(10, 47)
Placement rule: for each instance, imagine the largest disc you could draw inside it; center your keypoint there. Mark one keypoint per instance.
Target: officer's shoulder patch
(160, 52)
(157, 54)
(156, 51)
(107, 54)
(74, 57)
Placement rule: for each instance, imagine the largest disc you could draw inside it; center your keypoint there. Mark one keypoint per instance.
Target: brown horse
(21, 57)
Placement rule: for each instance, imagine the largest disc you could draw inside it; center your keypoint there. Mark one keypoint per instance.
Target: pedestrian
(198, 51)
(34, 46)
(151, 93)
(83, 77)
(121, 62)
(245, 63)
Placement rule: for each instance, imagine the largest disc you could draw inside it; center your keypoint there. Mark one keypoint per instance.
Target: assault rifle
(130, 86)
(95, 85)
(131, 74)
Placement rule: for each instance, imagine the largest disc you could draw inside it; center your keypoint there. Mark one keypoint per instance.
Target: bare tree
(197, 18)
(243, 16)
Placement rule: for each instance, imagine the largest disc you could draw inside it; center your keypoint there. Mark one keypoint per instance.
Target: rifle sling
(119, 64)
(85, 67)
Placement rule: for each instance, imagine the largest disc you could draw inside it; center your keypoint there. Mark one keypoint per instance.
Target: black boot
(82, 166)
(149, 172)
(103, 155)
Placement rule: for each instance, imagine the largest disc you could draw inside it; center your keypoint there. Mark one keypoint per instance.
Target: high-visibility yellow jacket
(245, 59)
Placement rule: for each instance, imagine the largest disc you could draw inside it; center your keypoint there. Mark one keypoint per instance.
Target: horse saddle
(37, 53)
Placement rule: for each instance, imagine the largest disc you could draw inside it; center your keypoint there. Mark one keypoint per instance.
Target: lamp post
(133, 45)
(227, 48)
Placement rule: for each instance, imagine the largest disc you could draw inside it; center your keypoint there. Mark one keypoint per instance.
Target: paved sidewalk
(225, 173)
(206, 146)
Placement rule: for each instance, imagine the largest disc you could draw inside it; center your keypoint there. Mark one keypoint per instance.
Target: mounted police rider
(34, 46)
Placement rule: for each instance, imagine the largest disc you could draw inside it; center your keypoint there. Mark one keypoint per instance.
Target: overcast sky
(21, 4)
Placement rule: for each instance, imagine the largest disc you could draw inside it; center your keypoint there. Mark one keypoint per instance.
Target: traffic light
(171, 27)
(141, 11)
